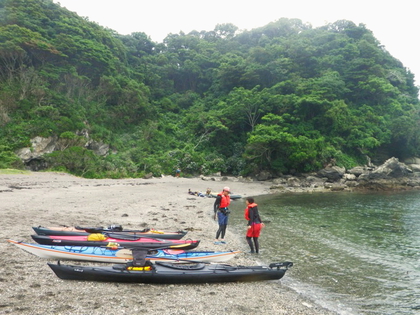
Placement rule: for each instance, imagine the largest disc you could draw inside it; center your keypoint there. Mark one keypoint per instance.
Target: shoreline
(51, 199)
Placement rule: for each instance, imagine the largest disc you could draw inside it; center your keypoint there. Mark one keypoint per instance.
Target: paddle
(126, 248)
(128, 254)
(133, 237)
(179, 245)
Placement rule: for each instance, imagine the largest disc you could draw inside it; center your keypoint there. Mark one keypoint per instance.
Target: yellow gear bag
(96, 237)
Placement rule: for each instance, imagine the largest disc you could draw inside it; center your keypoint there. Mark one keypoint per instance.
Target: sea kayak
(169, 273)
(76, 230)
(120, 255)
(98, 239)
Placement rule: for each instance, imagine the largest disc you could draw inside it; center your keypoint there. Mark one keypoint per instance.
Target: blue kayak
(119, 254)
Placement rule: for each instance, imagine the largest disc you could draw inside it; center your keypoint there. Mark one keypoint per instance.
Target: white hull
(107, 255)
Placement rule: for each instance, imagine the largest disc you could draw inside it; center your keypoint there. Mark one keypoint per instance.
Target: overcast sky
(395, 24)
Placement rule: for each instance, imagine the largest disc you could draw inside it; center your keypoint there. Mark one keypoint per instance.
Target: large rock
(392, 175)
(263, 176)
(294, 182)
(358, 170)
(415, 167)
(32, 156)
(392, 168)
(39, 147)
(349, 177)
(313, 181)
(99, 148)
(333, 173)
(412, 160)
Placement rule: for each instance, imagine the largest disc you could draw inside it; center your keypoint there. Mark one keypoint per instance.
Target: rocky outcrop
(413, 163)
(332, 173)
(391, 169)
(99, 148)
(32, 156)
(39, 147)
(392, 175)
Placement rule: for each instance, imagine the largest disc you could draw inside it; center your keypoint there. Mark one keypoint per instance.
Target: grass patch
(13, 171)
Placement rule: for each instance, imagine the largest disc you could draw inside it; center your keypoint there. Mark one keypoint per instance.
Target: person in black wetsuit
(221, 211)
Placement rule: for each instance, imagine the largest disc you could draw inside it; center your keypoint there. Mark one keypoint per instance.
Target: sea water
(355, 253)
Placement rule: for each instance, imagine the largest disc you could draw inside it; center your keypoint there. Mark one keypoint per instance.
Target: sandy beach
(28, 286)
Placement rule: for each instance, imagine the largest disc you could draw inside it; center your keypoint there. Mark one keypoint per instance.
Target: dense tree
(284, 97)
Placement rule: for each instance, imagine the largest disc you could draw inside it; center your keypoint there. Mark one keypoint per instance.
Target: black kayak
(77, 230)
(171, 273)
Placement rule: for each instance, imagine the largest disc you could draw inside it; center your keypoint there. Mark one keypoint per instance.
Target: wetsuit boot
(249, 240)
(257, 245)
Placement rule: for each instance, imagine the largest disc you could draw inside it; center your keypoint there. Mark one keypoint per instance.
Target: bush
(77, 160)
(9, 159)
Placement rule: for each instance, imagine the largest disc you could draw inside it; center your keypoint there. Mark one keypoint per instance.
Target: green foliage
(281, 97)
(8, 159)
(75, 160)
(274, 145)
(68, 139)
(15, 136)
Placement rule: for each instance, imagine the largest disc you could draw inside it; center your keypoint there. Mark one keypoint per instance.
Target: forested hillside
(285, 97)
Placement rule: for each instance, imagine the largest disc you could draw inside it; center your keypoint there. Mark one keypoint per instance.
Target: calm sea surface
(355, 253)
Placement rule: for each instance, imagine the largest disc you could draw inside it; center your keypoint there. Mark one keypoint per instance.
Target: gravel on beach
(28, 285)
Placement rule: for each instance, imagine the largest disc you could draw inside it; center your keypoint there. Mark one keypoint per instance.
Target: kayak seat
(198, 266)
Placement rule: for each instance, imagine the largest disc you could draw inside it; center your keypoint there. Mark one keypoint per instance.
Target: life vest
(225, 201)
(112, 245)
(251, 205)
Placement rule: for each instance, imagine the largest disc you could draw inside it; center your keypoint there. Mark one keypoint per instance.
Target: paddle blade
(124, 253)
(180, 245)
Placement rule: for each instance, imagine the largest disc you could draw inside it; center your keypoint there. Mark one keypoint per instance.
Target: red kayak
(99, 239)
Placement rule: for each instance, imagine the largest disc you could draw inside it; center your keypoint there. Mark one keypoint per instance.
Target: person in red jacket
(221, 211)
(254, 225)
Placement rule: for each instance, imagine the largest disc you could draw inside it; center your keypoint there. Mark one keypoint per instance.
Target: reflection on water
(359, 251)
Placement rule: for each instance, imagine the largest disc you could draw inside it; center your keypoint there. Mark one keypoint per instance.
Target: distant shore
(52, 199)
